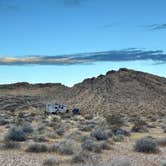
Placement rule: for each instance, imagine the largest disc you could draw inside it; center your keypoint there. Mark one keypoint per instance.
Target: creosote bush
(146, 145)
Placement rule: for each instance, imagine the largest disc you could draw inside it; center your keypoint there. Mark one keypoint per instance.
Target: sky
(69, 40)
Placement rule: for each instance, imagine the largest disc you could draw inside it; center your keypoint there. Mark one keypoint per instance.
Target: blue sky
(66, 27)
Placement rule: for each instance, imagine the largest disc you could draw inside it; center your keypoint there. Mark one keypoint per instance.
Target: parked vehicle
(76, 111)
(54, 108)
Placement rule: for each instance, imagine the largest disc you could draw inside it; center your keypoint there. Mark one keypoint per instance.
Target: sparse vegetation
(66, 147)
(27, 128)
(139, 126)
(37, 148)
(91, 145)
(114, 121)
(10, 145)
(82, 157)
(146, 145)
(161, 141)
(51, 162)
(3, 121)
(121, 162)
(99, 134)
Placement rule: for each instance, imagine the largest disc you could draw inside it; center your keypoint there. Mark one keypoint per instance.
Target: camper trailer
(54, 108)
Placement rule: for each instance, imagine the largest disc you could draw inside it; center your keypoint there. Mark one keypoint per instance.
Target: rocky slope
(124, 91)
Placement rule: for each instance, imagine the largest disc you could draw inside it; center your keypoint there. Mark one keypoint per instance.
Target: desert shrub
(15, 134)
(99, 134)
(147, 145)
(85, 128)
(60, 131)
(118, 138)
(86, 125)
(162, 141)
(91, 145)
(41, 129)
(66, 147)
(27, 128)
(3, 121)
(164, 128)
(104, 145)
(52, 135)
(88, 116)
(53, 148)
(50, 162)
(122, 132)
(139, 126)
(11, 145)
(121, 162)
(37, 148)
(20, 115)
(87, 137)
(40, 139)
(84, 157)
(114, 121)
(76, 136)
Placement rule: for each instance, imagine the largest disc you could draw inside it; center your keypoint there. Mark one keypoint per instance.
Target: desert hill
(123, 91)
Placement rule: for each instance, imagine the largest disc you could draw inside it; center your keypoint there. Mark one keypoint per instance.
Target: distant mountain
(126, 91)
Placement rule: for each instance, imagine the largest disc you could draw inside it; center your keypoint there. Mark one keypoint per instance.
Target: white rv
(54, 108)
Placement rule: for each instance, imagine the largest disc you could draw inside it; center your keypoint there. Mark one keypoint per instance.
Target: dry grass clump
(40, 138)
(139, 126)
(99, 134)
(3, 121)
(88, 116)
(161, 141)
(146, 145)
(81, 157)
(51, 162)
(120, 161)
(114, 121)
(76, 136)
(87, 125)
(67, 147)
(91, 145)
(84, 157)
(52, 135)
(10, 145)
(27, 128)
(104, 145)
(37, 148)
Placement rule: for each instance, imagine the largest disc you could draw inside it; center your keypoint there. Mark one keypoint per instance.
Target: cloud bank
(156, 27)
(131, 54)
